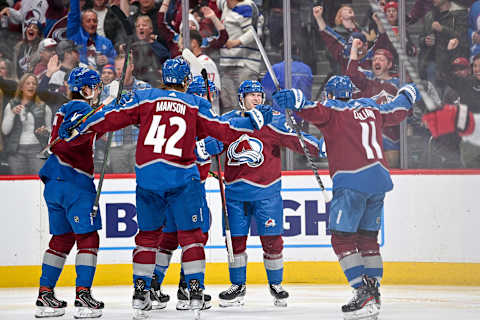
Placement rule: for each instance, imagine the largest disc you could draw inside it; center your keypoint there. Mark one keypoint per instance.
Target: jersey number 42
(156, 135)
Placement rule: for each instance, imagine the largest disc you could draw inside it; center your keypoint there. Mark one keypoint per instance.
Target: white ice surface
(306, 302)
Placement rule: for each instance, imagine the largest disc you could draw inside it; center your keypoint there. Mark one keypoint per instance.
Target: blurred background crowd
(42, 40)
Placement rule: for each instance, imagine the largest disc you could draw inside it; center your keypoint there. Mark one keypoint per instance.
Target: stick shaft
(228, 235)
(290, 118)
(110, 136)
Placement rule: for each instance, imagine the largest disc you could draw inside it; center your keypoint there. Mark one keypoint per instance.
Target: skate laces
(233, 288)
(277, 287)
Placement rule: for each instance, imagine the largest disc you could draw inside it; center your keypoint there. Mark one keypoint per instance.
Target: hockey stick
(402, 55)
(109, 140)
(192, 59)
(129, 31)
(322, 85)
(291, 120)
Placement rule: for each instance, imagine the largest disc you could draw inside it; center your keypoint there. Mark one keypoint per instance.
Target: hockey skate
(158, 298)
(196, 298)
(141, 302)
(362, 305)
(374, 290)
(48, 305)
(183, 302)
(86, 306)
(233, 296)
(279, 294)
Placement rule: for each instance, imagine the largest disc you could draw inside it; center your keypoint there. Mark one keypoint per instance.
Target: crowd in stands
(42, 40)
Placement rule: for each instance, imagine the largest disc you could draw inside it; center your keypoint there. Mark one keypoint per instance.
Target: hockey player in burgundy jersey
(169, 242)
(168, 181)
(70, 195)
(379, 85)
(352, 131)
(253, 184)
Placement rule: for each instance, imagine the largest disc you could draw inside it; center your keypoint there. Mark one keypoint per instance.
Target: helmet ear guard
(340, 87)
(176, 71)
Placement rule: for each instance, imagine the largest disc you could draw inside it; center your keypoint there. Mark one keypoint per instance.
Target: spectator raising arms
(379, 85)
(26, 124)
(46, 50)
(95, 50)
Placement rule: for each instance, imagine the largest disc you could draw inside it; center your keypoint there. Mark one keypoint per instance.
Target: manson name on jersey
(173, 106)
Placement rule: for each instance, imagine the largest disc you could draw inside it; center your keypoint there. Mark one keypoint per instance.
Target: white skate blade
(196, 314)
(46, 312)
(183, 305)
(156, 305)
(237, 302)
(369, 312)
(280, 302)
(141, 314)
(207, 305)
(84, 312)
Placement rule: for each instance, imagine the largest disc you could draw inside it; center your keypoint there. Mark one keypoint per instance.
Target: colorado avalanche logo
(245, 150)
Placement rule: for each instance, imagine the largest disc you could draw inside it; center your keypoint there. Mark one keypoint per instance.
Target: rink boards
(429, 233)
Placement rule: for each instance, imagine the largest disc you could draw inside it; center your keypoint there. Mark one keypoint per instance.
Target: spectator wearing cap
(95, 50)
(107, 77)
(391, 13)
(68, 57)
(108, 74)
(25, 49)
(339, 47)
(382, 87)
(46, 50)
(451, 118)
(464, 84)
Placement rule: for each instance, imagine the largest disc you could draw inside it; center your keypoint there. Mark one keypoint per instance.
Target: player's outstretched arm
(112, 117)
(294, 99)
(396, 111)
(282, 134)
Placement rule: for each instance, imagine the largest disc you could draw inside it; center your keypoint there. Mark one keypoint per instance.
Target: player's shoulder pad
(245, 10)
(230, 115)
(363, 103)
(336, 104)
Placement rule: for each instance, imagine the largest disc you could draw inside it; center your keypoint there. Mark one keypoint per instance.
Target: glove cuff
(256, 117)
(409, 92)
(201, 150)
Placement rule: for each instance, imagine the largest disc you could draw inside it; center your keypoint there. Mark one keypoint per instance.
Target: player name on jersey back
(173, 106)
(363, 114)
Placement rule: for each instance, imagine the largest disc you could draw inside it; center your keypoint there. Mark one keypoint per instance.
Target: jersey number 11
(371, 145)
